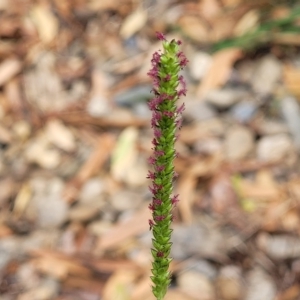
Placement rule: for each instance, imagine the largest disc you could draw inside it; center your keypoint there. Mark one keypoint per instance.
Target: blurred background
(75, 137)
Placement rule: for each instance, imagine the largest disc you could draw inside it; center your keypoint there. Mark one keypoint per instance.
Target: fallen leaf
(133, 23)
(291, 79)
(8, 69)
(45, 22)
(137, 224)
(60, 135)
(247, 23)
(219, 71)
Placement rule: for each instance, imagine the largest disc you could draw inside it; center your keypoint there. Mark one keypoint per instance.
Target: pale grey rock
(195, 284)
(198, 110)
(199, 64)
(98, 106)
(244, 111)
(291, 112)
(271, 127)
(125, 200)
(188, 241)
(83, 213)
(47, 205)
(225, 98)
(274, 148)
(279, 246)
(260, 285)
(239, 142)
(266, 75)
(92, 191)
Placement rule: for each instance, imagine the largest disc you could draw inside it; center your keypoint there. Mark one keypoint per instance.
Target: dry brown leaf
(219, 70)
(291, 293)
(22, 200)
(124, 154)
(247, 23)
(8, 69)
(222, 193)
(5, 231)
(194, 28)
(58, 264)
(86, 284)
(119, 285)
(91, 166)
(133, 23)
(210, 9)
(45, 22)
(136, 225)
(186, 188)
(291, 78)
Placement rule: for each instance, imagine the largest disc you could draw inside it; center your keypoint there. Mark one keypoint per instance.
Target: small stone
(82, 213)
(47, 289)
(203, 267)
(243, 112)
(133, 95)
(22, 130)
(47, 205)
(92, 191)
(208, 146)
(266, 75)
(61, 136)
(198, 110)
(279, 247)
(199, 64)
(225, 98)
(229, 283)
(188, 241)
(271, 127)
(98, 106)
(260, 286)
(291, 112)
(239, 142)
(99, 228)
(125, 200)
(274, 148)
(195, 284)
(39, 151)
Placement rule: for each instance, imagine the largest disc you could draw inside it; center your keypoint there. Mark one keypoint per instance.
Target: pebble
(199, 64)
(279, 246)
(132, 96)
(244, 111)
(260, 286)
(98, 106)
(266, 75)
(203, 267)
(225, 98)
(83, 213)
(9, 247)
(60, 135)
(291, 112)
(39, 151)
(188, 241)
(198, 110)
(92, 191)
(99, 228)
(47, 289)
(271, 127)
(125, 200)
(47, 204)
(195, 284)
(239, 142)
(229, 283)
(274, 148)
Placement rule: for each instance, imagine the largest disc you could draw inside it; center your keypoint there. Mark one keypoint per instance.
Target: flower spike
(168, 86)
